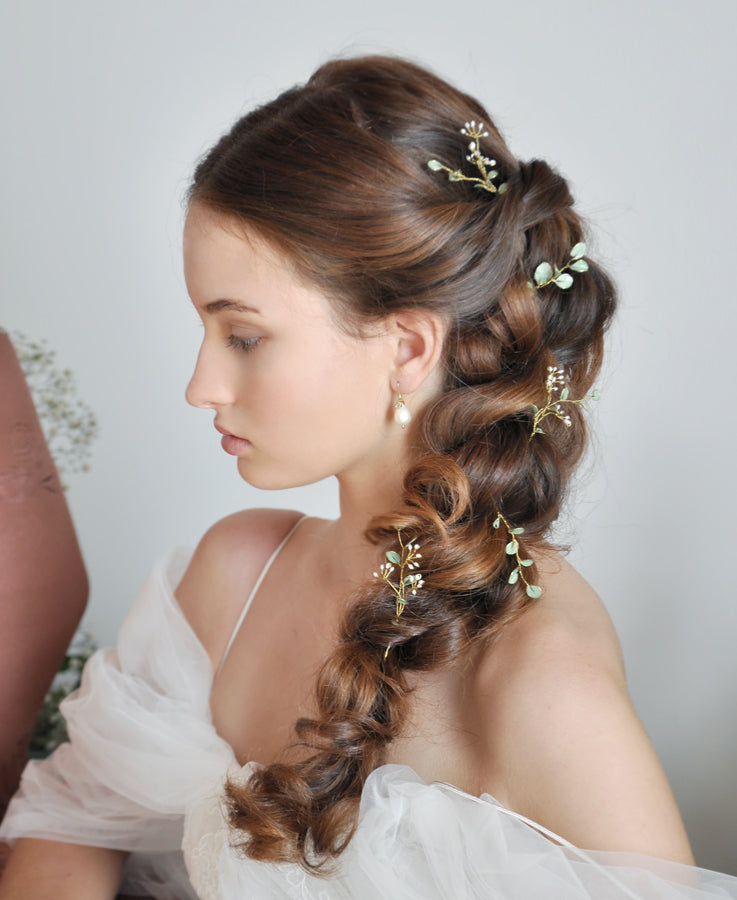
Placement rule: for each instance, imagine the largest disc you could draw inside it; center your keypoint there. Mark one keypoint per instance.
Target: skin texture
(541, 719)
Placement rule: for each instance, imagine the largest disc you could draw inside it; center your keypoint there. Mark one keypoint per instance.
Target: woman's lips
(232, 444)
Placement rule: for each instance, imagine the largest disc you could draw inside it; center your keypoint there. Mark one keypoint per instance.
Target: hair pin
(557, 395)
(407, 579)
(475, 131)
(512, 549)
(546, 273)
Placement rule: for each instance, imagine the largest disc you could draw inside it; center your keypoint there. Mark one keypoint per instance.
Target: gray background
(106, 106)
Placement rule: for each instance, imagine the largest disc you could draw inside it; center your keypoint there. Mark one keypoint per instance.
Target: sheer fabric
(145, 769)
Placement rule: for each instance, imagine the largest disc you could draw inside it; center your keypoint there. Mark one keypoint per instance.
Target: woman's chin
(262, 478)
(273, 478)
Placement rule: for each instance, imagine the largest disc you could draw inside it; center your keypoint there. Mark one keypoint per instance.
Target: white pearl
(402, 416)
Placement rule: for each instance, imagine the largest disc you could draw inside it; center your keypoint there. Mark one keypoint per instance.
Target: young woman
(328, 708)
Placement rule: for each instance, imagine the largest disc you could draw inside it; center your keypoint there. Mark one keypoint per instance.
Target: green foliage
(50, 728)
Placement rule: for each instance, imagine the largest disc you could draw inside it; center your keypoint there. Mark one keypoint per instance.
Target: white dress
(145, 769)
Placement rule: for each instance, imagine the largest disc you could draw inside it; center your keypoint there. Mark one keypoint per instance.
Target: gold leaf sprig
(475, 131)
(557, 396)
(409, 579)
(546, 273)
(512, 549)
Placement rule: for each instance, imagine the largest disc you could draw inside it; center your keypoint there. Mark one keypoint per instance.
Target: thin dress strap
(254, 589)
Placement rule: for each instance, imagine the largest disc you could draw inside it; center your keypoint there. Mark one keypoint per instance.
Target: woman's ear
(420, 338)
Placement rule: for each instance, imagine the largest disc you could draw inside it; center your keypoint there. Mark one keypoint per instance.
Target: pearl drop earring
(402, 416)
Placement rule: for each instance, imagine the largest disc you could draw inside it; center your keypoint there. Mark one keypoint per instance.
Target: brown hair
(335, 173)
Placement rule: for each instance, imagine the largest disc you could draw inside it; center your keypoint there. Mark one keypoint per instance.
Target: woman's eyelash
(243, 344)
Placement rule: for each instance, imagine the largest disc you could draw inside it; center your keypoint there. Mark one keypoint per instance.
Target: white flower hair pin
(475, 131)
(409, 578)
(556, 399)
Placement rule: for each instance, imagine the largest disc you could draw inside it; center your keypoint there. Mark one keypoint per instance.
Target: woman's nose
(208, 386)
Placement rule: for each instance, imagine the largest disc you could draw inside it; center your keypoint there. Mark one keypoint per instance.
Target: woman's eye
(243, 344)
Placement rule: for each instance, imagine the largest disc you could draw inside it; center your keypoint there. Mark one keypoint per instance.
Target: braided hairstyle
(335, 174)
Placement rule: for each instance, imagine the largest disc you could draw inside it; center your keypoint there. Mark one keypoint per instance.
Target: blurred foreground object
(43, 583)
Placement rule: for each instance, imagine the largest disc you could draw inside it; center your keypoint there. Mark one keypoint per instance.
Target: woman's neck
(352, 556)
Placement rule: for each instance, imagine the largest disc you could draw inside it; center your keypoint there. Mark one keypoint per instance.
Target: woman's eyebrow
(216, 306)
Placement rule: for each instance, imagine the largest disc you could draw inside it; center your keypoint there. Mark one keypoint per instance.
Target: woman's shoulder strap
(224, 569)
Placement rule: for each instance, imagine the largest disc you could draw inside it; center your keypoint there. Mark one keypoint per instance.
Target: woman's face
(295, 398)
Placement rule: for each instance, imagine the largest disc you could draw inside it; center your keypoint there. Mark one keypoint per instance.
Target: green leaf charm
(579, 265)
(578, 251)
(435, 165)
(543, 273)
(393, 557)
(517, 575)
(564, 280)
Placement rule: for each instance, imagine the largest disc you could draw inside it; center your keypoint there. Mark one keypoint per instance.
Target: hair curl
(335, 173)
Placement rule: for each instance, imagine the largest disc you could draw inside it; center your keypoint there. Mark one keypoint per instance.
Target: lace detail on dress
(202, 855)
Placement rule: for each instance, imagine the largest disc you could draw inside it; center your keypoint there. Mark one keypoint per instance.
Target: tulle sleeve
(142, 744)
(423, 841)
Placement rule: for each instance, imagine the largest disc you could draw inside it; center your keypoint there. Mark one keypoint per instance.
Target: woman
(390, 297)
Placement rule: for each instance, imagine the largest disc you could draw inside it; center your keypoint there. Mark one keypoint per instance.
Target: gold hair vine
(475, 131)
(408, 580)
(546, 274)
(557, 396)
(512, 549)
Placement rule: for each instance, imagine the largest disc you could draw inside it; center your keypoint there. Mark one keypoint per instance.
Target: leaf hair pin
(557, 396)
(546, 274)
(512, 549)
(475, 131)
(407, 580)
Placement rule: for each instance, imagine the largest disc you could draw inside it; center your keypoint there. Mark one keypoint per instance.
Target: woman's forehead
(227, 260)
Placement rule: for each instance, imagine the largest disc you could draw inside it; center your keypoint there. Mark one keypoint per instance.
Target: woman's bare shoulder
(566, 632)
(559, 724)
(224, 568)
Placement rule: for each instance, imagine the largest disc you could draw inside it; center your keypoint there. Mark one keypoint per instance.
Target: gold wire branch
(557, 396)
(475, 131)
(512, 549)
(546, 273)
(408, 578)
